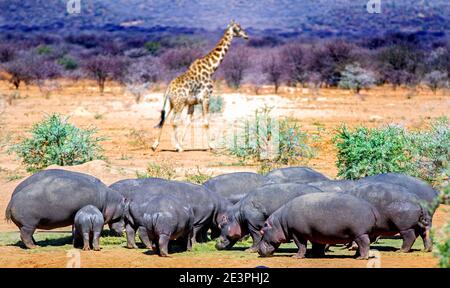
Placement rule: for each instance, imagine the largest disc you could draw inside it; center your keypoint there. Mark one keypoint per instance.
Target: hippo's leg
(409, 236)
(363, 243)
(155, 246)
(131, 234)
(143, 235)
(163, 244)
(256, 237)
(197, 237)
(301, 244)
(427, 243)
(318, 250)
(189, 241)
(86, 238)
(96, 241)
(204, 235)
(26, 235)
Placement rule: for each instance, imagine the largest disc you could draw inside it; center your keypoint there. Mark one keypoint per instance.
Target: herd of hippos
(295, 203)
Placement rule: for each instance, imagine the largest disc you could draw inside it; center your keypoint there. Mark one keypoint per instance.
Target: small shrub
(55, 141)
(162, 170)
(431, 150)
(153, 47)
(216, 104)
(68, 63)
(270, 141)
(197, 177)
(44, 50)
(364, 152)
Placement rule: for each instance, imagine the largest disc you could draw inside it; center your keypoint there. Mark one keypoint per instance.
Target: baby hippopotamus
(321, 218)
(87, 227)
(164, 218)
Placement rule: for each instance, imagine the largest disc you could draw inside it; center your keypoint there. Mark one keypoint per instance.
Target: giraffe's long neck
(216, 56)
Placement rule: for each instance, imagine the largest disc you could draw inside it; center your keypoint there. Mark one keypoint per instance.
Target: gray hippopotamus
(87, 227)
(335, 185)
(295, 174)
(413, 185)
(205, 205)
(164, 218)
(321, 218)
(51, 198)
(248, 215)
(234, 186)
(400, 212)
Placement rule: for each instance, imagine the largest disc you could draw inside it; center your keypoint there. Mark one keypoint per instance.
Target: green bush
(364, 152)
(55, 141)
(431, 150)
(442, 246)
(424, 154)
(153, 47)
(270, 141)
(68, 63)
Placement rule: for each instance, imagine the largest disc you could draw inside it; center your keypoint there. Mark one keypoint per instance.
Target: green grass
(48, 241)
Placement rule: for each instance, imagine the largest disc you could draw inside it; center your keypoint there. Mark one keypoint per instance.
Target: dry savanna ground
(128, 127)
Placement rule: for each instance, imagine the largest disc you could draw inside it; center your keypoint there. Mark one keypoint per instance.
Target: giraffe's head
(237, 30)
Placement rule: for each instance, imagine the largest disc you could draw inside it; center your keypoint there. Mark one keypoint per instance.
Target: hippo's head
(231, 231)
(117, 227)
(272, 237)
(116, 206)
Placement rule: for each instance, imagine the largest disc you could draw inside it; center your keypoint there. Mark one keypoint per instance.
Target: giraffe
(194, 87)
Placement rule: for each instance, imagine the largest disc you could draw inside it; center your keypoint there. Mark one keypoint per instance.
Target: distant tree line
(396, 60)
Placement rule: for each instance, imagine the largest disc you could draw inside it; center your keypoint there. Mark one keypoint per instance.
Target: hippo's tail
(8, 214)
(425, 217)
(376, 214)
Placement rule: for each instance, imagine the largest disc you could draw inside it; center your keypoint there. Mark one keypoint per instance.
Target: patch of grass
(137, 138)
(98, 116)
(13, 177)
(164, 170)
(196, 176)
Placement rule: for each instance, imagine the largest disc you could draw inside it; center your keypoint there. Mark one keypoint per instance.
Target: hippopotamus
(51, 198)
(295, 174)
(205, 206)
(321, 218)
(164, 218)
(413, 185)
(234, 186)
(87, 227)
(400, 212)
(248, 215)
(335, 185)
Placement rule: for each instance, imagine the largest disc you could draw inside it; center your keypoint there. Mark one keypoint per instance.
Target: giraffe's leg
(176, 127)
(188, 122)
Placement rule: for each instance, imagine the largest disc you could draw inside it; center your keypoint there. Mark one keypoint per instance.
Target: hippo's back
(296, 174)
(234, 186)
(269, 198)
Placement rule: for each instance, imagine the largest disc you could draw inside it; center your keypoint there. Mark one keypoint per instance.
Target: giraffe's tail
(164, 112)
